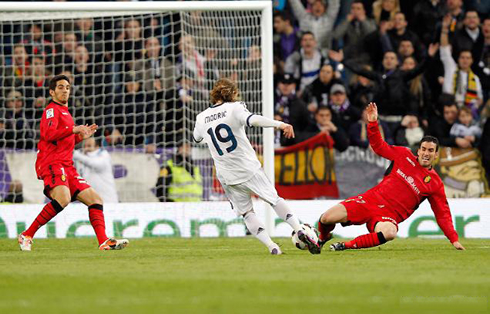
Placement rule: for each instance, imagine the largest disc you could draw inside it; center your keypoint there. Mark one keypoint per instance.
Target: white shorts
(240, 195)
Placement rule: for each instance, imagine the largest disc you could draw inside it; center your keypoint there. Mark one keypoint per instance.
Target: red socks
(325, 230)
(96, 216)
(49, 211)
(366, 240)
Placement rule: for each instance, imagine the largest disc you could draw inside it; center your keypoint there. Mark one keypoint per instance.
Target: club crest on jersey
(63, 178)
(49, 113)
(427, 179)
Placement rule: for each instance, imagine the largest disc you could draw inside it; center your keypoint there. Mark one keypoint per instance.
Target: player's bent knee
(63, 200)
(389, 233)
(335, 214)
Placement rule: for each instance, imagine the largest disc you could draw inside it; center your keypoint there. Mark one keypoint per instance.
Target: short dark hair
(320, 108)
(54, 81)
(430, 139)
(307, 33)
(283, 16)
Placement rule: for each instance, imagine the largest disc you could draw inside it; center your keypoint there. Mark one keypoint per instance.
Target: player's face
(427, 154)
(61, 92)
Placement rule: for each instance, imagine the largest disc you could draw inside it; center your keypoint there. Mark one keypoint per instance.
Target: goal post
(242, 24)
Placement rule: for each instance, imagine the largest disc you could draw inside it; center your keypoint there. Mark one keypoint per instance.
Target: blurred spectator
(385, 10)
(89, 38)
(66, 57)
(466, 127)
(362, 89)
(158, 71)
(131, 112)
(17, 131)
(194, 61)
(394, 101)
(290, 109)
(353, 30)
(342, 108)
(316, 94)
(405, 50)
(419, 92)
(410, 133)
(440, 127)
(470, 37)
(319, 22)
(286, 37)
(37, 44)
(129, 44)
(485, 140)
(87, 80)
(14, 194)
(400, 32)
(325, 123)
(180, 180)
(94, 165)
(456, 13)
(358, 131)
(306, 63)
(482, 61)
(16, 73)
(427, 14)
(459, 79)
(37, 83)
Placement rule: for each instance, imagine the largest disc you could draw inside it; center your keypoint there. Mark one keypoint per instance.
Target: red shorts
(361, 210)
(62, 175)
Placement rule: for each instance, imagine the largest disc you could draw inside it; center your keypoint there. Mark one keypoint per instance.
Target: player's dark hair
(54, 81)
(224, 90)
(430, 139)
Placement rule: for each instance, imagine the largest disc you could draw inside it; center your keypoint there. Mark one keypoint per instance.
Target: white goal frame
(265, 7)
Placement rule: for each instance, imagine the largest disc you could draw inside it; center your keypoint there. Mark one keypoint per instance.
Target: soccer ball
(310, 231)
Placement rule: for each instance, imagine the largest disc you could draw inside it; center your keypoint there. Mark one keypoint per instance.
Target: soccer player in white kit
(222, 128)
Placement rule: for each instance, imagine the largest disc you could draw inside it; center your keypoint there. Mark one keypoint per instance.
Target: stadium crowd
(426, 64)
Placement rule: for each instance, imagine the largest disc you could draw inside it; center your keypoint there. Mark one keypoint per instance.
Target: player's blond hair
(224, 90)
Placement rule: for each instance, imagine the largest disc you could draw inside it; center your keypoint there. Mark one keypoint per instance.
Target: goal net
(141, 71)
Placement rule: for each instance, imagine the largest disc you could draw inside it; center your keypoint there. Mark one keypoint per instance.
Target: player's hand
(458, 246)
(372, 112)
(80, 129)
(91, 129)
(287, 130)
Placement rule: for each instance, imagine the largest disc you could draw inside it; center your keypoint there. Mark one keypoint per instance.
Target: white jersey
(96, 168)
(222, 127)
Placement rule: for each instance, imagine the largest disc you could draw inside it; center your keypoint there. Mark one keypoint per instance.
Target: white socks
(283, 211)
(256, 227)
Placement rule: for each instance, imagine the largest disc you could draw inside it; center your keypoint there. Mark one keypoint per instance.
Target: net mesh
(142, 78)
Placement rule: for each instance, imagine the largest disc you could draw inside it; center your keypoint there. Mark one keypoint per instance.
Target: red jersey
(57, 139)
(409, 184)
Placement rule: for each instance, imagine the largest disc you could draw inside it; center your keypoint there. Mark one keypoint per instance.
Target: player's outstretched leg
(384, 232)
(327, 221)
(256, 227)
(61, 198)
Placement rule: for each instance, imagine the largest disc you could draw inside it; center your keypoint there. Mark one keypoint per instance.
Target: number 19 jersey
(222, 128)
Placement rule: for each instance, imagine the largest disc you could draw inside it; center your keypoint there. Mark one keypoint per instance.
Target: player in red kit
(411, 180)
(54, 165)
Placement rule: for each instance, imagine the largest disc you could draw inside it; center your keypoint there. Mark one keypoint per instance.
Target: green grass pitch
(226, 275)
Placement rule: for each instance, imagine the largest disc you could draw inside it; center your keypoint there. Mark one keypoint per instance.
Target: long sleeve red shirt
(409, 184)
(57, 139)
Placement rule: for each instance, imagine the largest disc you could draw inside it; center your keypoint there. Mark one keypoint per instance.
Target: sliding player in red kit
(411, 180)
(54, 165)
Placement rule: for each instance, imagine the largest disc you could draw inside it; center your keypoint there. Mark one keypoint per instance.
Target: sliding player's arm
(249, 119)
(440, 207)
(379, 146)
